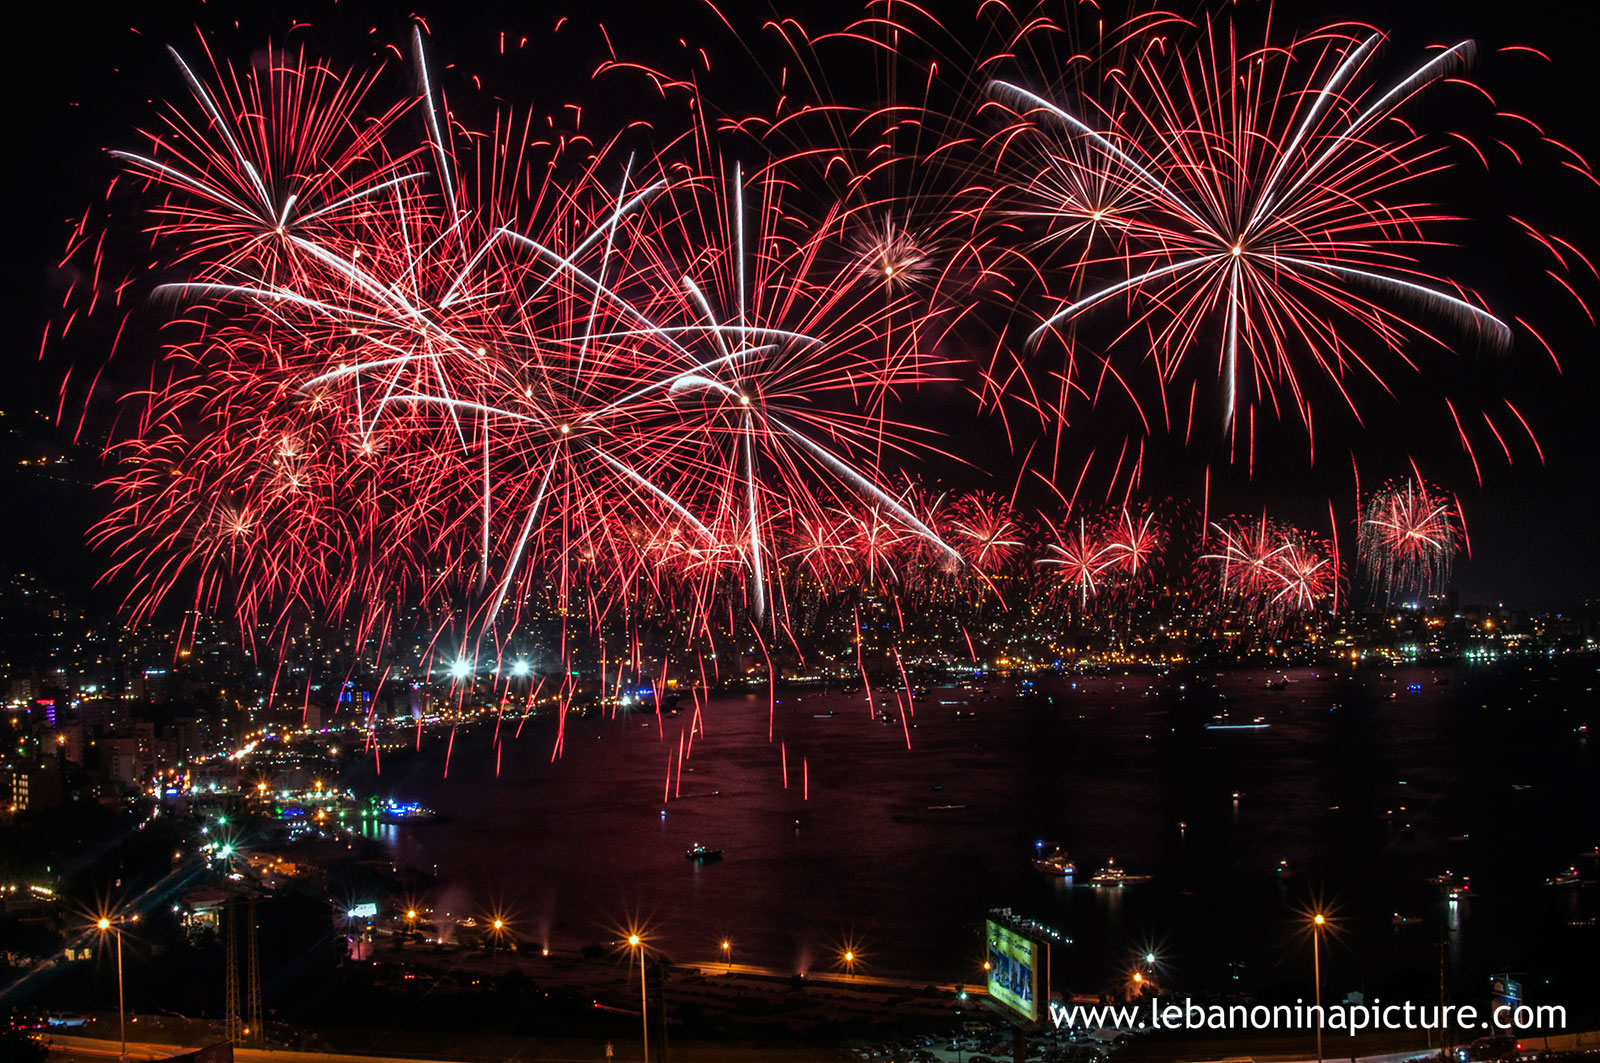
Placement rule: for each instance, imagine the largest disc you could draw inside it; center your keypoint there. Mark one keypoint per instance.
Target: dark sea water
(1366, 783)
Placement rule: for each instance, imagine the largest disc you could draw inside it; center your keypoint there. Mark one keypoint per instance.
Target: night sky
(80, 84)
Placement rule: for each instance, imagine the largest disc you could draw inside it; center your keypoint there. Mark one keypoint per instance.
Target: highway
(842, 978)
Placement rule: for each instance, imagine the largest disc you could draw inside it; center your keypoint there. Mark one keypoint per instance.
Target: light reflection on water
(379, 831)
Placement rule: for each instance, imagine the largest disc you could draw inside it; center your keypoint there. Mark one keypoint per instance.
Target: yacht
(1112, 875)
(703, 854)
(1057, 862)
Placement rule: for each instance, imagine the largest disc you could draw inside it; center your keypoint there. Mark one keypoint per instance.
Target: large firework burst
(1258, 209)
(398, 383)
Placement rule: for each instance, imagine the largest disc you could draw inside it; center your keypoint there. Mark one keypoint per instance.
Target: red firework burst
(1268, 570)
(1133, 540)
(1081, 559)
(1410, 534)
(1255, 208)
(575, 366)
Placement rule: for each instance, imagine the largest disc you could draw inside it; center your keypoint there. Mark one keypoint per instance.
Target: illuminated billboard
(1013, 971)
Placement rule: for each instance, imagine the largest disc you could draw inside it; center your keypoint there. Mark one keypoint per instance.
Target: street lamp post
(637, 942)
(1317, 923)
(104, 924)
(961, 1011)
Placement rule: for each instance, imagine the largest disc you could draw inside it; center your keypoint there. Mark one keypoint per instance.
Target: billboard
(1013, 971)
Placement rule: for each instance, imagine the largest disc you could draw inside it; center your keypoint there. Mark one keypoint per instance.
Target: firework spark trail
(647, 383)
(1409, 536)
(1269, 571)
(1264, 200)
(1082, 558)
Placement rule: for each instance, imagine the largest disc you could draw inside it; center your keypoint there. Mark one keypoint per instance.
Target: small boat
(1223, 722)
(703, 854)
(1569, 877)
(1283, 870)
(1056, 863)
(1113, 876)
(1449, 878)
(1403, 920)
(404, 812)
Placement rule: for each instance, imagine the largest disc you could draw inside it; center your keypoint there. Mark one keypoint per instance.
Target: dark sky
(81, 83)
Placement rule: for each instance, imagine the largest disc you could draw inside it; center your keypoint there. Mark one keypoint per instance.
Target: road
(843, 978)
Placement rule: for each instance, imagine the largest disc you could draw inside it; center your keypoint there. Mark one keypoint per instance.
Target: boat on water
(1056, 862)
(1222, 721)
(404, 812)
(1448, 878)
(1403, 920)
(1569, 877)
(1113, 876)
(703, 853)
